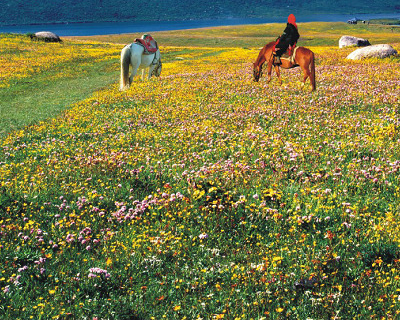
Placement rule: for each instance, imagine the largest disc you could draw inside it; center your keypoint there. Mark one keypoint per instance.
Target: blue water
(101, 28)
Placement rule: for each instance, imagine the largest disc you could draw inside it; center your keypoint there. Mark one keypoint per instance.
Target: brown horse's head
(257, 72)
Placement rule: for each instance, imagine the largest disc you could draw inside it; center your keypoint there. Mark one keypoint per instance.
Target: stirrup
(277, 60)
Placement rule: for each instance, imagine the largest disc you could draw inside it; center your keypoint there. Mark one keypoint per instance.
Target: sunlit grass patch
(22, 57)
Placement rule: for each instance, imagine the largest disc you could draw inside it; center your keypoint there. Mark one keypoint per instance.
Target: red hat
(292, 20)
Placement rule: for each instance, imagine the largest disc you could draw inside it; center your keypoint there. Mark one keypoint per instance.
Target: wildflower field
(205, 195)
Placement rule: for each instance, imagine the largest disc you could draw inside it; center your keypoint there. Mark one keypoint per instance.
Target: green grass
(41, 96)
(45, 95)
(385, 21)
(311, 34)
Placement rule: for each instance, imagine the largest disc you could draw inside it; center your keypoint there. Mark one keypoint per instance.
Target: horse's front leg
(269, 71)
(278, 74)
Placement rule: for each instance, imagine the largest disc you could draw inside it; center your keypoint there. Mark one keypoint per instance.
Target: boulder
(46, 36)
(347, 41)
(375, 51)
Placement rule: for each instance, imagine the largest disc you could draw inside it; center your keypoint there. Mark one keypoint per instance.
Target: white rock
(347, 41)
(46, 36)
(375, 51)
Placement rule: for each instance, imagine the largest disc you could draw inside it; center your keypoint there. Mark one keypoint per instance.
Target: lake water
(101, 28)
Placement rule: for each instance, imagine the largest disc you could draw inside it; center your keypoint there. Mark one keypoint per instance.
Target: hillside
(200, 194)
(31, 12)
(43, 83)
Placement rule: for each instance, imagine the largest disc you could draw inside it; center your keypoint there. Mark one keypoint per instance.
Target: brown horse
(302, 57)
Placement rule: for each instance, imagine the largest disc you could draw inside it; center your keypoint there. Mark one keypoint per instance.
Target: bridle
(156, 61)
(257, 74)
(159, 64)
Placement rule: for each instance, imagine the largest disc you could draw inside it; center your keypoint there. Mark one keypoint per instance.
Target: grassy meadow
(201, 194)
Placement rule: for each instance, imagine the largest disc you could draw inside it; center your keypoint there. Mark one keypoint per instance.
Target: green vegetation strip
(39, 97)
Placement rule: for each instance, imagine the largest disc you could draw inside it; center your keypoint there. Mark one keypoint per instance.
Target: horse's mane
(261, 56)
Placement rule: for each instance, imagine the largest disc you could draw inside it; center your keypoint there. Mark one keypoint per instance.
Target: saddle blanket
(289, 55)
(148, 43)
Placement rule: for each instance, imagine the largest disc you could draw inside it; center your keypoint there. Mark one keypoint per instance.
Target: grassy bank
(33, 88)
(254, 36)
(40, 80)
(393, 22)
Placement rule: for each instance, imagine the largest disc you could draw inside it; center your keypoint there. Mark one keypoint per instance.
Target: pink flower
(94, 272)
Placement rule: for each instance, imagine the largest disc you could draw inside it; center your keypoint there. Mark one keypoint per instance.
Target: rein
(156, 61)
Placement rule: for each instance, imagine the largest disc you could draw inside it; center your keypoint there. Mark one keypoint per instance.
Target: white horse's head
(157, 71)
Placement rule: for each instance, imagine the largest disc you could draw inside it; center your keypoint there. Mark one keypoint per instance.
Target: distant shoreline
(318, 16)
(120, 27)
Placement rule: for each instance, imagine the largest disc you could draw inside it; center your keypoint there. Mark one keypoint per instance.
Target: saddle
(148, 43)
(288, 55)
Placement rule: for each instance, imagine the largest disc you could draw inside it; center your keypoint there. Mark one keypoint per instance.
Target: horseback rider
(287, 40)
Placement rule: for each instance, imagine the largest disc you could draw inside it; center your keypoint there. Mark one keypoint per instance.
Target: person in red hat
(287, 40)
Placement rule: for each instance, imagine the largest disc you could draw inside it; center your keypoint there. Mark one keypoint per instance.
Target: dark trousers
(282, 46)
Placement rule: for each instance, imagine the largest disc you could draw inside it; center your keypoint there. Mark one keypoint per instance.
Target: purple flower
(203, 236)
(93, 272)
(23, 268)
(70, 238)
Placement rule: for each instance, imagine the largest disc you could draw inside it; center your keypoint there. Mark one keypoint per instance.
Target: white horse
(133, 54)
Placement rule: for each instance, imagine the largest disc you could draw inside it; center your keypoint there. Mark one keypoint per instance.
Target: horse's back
(303, 56)
(138, 56)
(136, 50)
(305, 51)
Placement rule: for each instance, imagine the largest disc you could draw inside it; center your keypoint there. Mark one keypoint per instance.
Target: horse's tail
(125, 61)
(312, 76)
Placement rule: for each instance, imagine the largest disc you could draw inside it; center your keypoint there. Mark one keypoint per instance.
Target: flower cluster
(21, 57)
(98, 272)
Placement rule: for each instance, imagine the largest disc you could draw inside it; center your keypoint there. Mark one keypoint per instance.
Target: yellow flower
(378, 261)
(108, 262)
(279, 310)
(177, 308)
